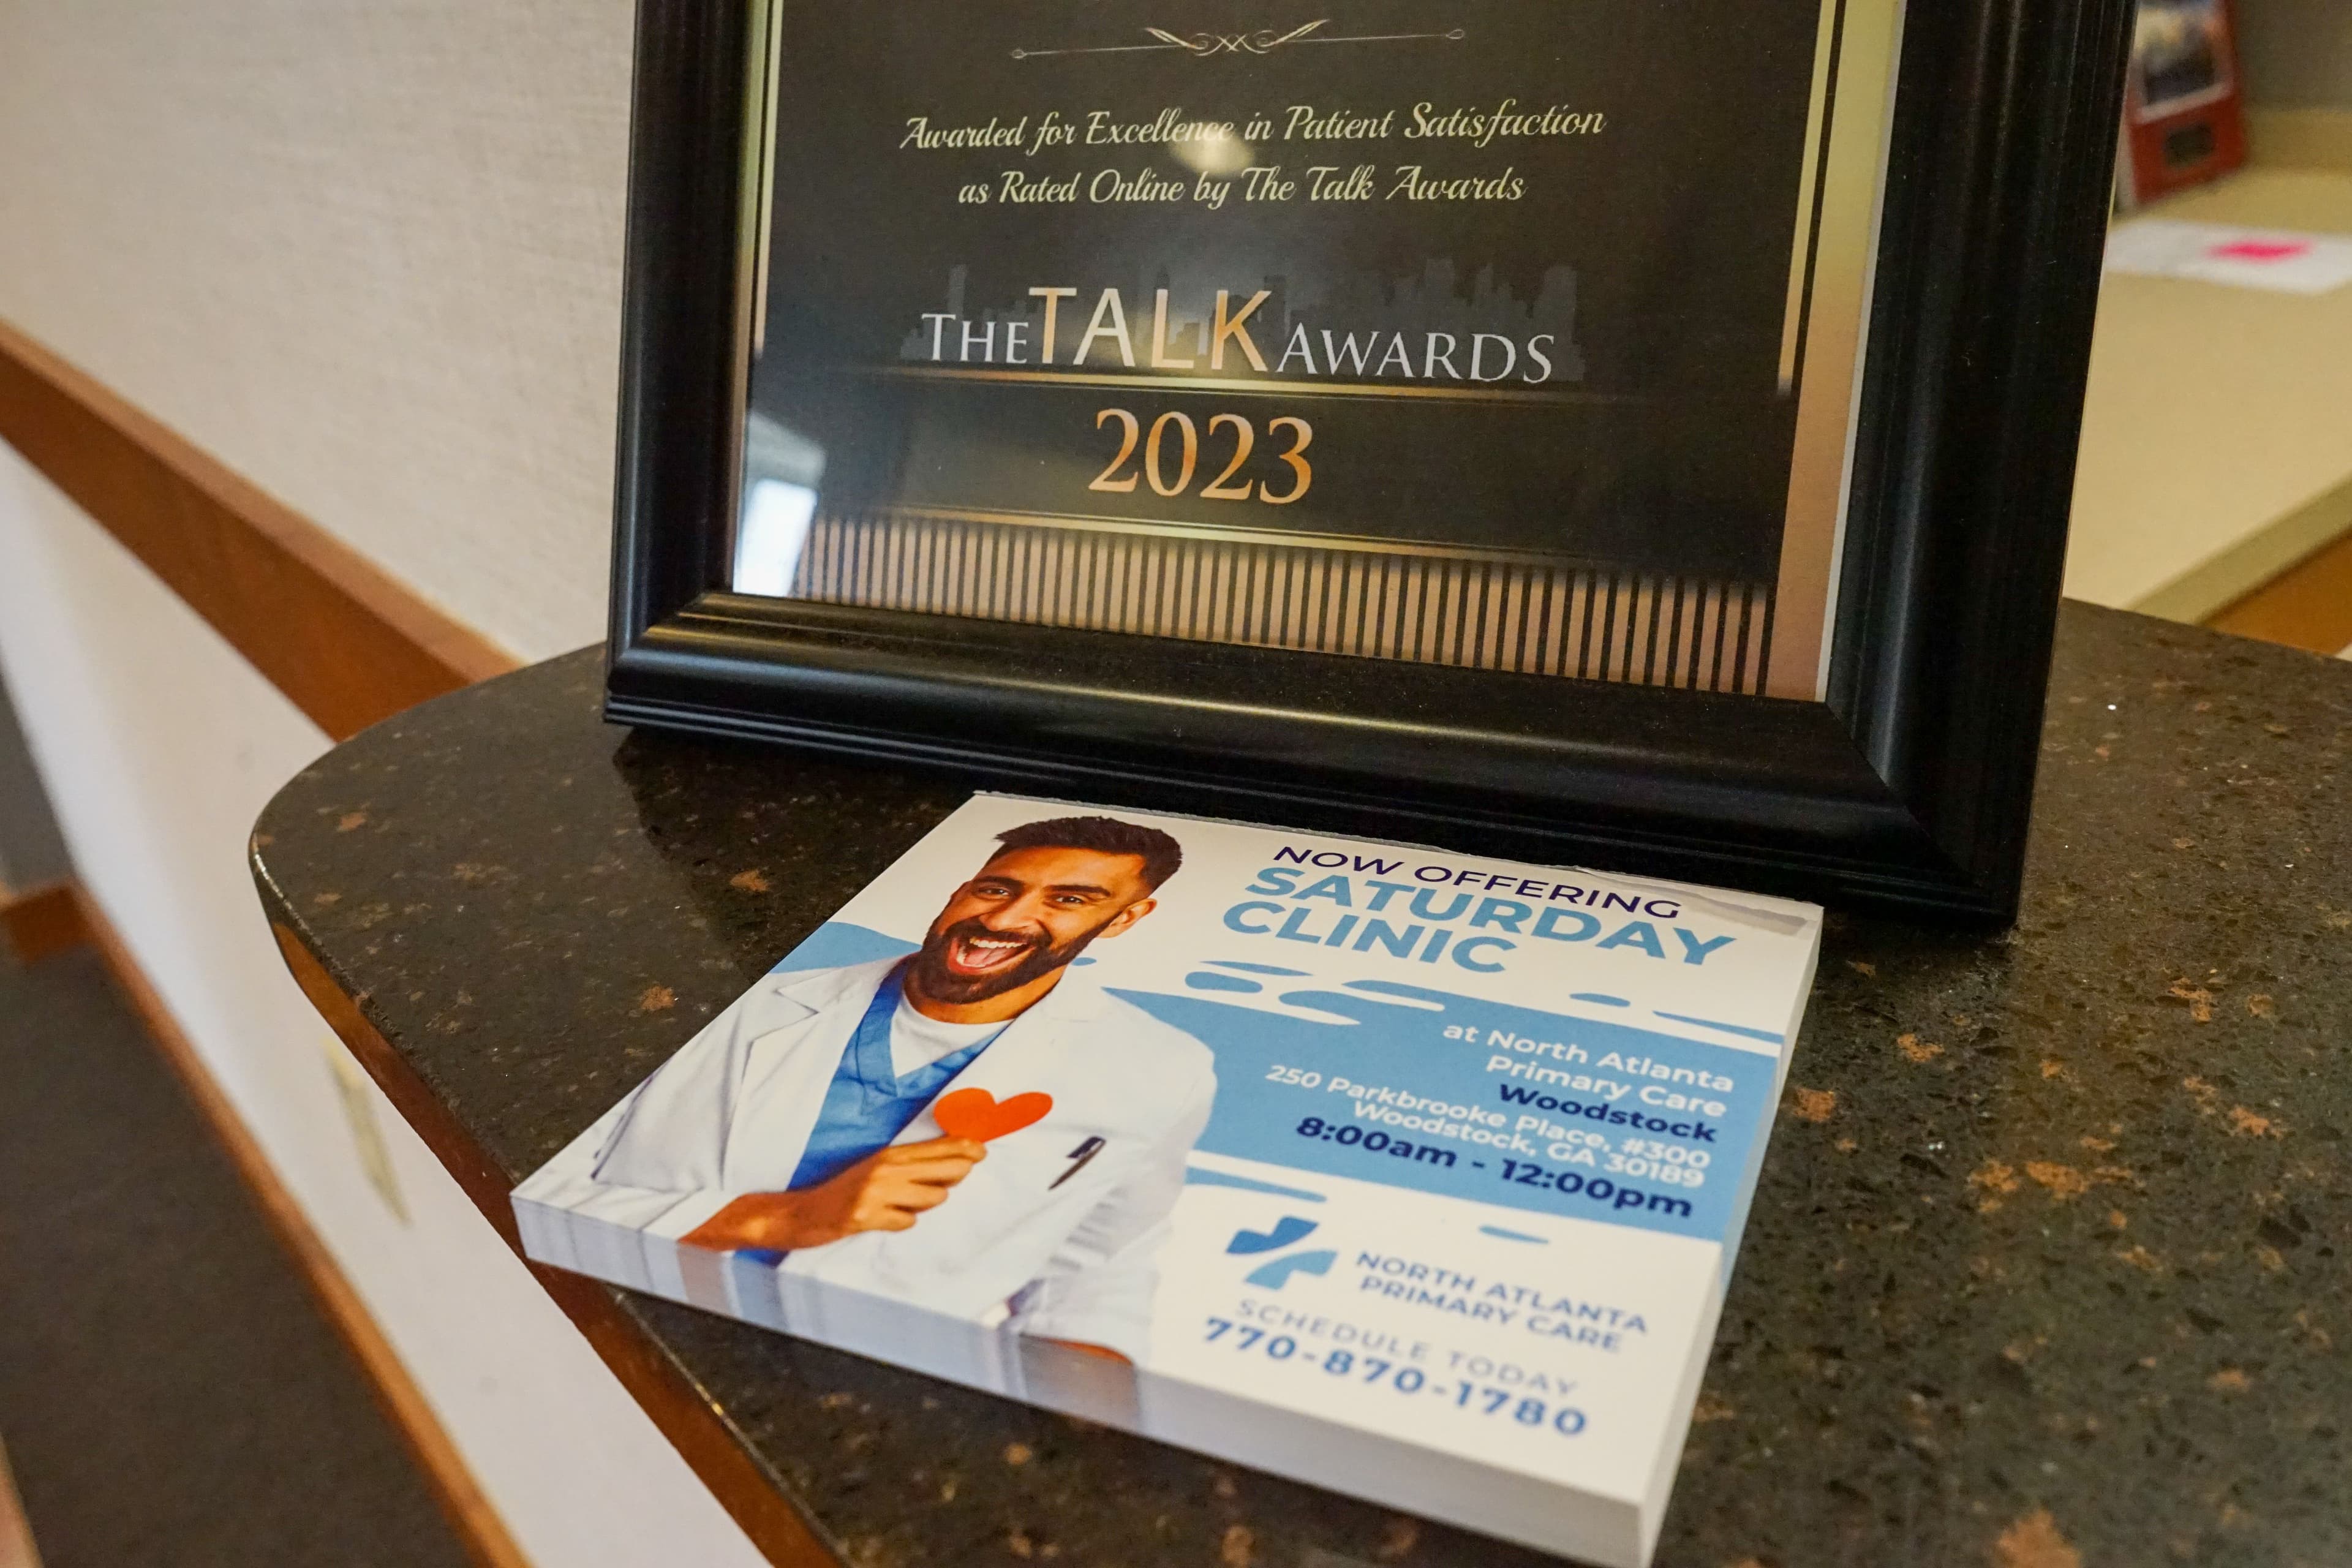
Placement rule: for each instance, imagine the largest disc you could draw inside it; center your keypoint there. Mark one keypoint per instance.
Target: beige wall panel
(161, 746)
(369, 255)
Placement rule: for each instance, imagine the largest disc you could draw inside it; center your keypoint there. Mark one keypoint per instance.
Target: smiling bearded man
(814, 1124)
(988, 942)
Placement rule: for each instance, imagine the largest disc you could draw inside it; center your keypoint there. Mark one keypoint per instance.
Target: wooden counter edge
(710, 1448)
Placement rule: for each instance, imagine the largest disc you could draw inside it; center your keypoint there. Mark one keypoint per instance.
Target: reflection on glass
(781, 470)
(1416, 345)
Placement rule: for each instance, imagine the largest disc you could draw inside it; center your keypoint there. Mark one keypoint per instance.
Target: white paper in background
(2278, 259)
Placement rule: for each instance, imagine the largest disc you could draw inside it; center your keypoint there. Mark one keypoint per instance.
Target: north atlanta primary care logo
(1287, 1231)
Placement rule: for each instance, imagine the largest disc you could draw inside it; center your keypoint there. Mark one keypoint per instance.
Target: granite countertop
(2051, 1264)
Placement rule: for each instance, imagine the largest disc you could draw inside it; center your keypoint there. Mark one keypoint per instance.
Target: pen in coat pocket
(1078, 1158)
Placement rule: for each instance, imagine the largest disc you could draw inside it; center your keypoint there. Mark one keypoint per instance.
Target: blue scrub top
(868, 1104)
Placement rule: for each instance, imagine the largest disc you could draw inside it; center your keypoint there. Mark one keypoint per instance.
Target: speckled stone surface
(2050, 1265)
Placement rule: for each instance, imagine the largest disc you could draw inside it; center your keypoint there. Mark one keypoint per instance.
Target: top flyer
(1395, 1170)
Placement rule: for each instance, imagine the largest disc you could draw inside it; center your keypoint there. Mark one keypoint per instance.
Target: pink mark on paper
(2261, 250)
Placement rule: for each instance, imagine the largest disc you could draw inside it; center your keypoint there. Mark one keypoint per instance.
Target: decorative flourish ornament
(1258, 41)
(1262, 42)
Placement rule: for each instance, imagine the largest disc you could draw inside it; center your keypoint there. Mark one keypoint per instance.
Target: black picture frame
(1909, 787)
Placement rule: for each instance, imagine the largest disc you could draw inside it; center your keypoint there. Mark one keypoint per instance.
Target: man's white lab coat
(1073, 1262)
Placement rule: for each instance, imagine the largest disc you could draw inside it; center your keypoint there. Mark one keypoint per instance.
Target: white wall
(2298, 53)
(367, 252)
(369, 255)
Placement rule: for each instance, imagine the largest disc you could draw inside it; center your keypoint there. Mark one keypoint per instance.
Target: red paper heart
(976, 1113)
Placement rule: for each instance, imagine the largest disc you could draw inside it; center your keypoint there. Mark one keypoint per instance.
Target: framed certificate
(1625, 428)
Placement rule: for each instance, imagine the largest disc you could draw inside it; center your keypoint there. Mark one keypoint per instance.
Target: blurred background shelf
(2215, 477)
(2216, 441)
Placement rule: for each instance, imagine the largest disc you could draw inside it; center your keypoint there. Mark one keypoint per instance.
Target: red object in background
(2262, 250)
(2184, 113)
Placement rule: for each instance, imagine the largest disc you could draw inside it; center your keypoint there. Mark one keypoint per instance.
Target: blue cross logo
(1276, 1273)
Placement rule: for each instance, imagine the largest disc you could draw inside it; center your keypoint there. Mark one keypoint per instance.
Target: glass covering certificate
(1515, 334)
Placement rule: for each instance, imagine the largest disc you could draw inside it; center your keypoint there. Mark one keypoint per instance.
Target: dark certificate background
(1672, 451)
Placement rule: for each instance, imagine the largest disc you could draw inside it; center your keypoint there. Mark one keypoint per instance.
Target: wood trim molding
(16, 1548)
(2307, 607)
(2270, 553)
(747, 1492)
(469, 1510)
(344, 641)
(43, 920)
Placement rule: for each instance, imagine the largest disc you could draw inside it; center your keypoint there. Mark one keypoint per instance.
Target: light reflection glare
(1219, 160)
(780, 471)
(775, 530)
